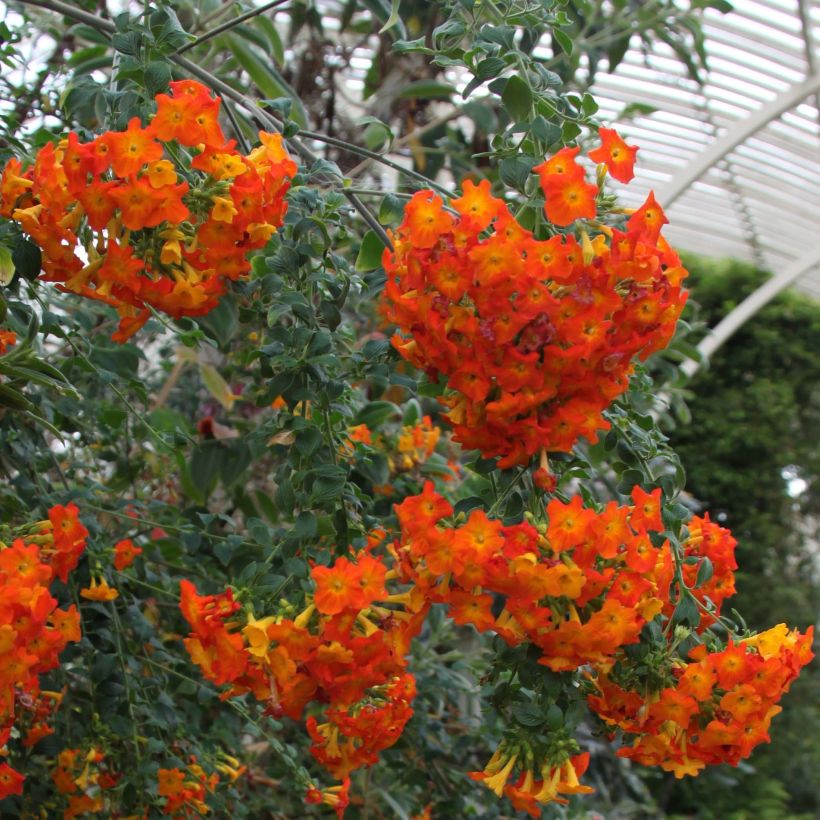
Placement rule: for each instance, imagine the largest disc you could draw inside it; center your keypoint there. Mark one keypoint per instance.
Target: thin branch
(72, 11)
(372, 155)
(229, 24)
(402, 141)
(243, 140)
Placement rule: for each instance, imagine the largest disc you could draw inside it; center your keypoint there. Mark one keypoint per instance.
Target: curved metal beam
(734, 136)
(737, 317)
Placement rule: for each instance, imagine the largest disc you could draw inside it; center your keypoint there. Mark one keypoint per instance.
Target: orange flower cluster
(33, 629)
(538, 783)
(84, 778)
(719, 708)
(417, 443)
(535, 337)
(346, 651)
(336, 797)
(413, 446)
(580, 587)
(710, 542)
(579, 590)
(185, 791)
(119, 222)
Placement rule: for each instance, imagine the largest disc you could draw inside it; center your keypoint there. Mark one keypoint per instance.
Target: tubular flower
(337, 797)
(116, 222)
(344, 657)
(186, 790)
(535, 338)
(579, 591)
(83, 777)
(717, 711)
(98, 590)
(8, 338)
(544, 772)
(618, 157)
(33, 630)
(580, 586)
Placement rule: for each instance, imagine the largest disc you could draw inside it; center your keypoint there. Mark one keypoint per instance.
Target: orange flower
(648, 219)
(11, 781)
(426, 219)
(477, 206)
(131, 149)
(69, 205)
(125, 552)
(570, 199)
(8, 338)
(618, 157)
(336, 586)
(646, 514)
(562, 164)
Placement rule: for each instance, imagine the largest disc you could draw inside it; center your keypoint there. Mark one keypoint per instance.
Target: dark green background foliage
(755, 421)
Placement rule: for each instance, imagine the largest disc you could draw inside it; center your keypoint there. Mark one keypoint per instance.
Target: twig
(229, 24)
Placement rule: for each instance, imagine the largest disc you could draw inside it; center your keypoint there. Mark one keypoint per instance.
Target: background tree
(752, 458)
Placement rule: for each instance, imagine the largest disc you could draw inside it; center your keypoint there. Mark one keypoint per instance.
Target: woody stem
(229, 24)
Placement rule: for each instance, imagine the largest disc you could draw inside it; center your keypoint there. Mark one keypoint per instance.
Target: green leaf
(266, 78)
(6, 266)
(377, 134)
(570, 131)
(308, 441)
(27, 259)
(528, 714)
(617, 51)
(555, 718)
(517, 98)
(221, 323)
(393, 19)
(237, 459)
(722, 6)
(564, 40)
(376, 413)
(305, 525)
(157, 77)
(489, 68)
(274, 40)
(686, 612)
(122, 360)
(588, 105)
(632, 110)
(370, 252)
(205, 465)
(127, 43)
(427, 90)
(515, 171)
(391, 210)
(705, 572)
(328, 482)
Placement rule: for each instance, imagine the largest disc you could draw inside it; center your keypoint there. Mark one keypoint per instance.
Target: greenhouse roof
(734, 160)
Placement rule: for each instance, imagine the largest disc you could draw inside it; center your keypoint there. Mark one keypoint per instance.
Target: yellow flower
(162, 173)
(224, 209)
(99, 591)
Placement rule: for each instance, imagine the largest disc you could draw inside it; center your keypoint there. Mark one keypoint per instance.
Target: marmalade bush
(256, 453)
